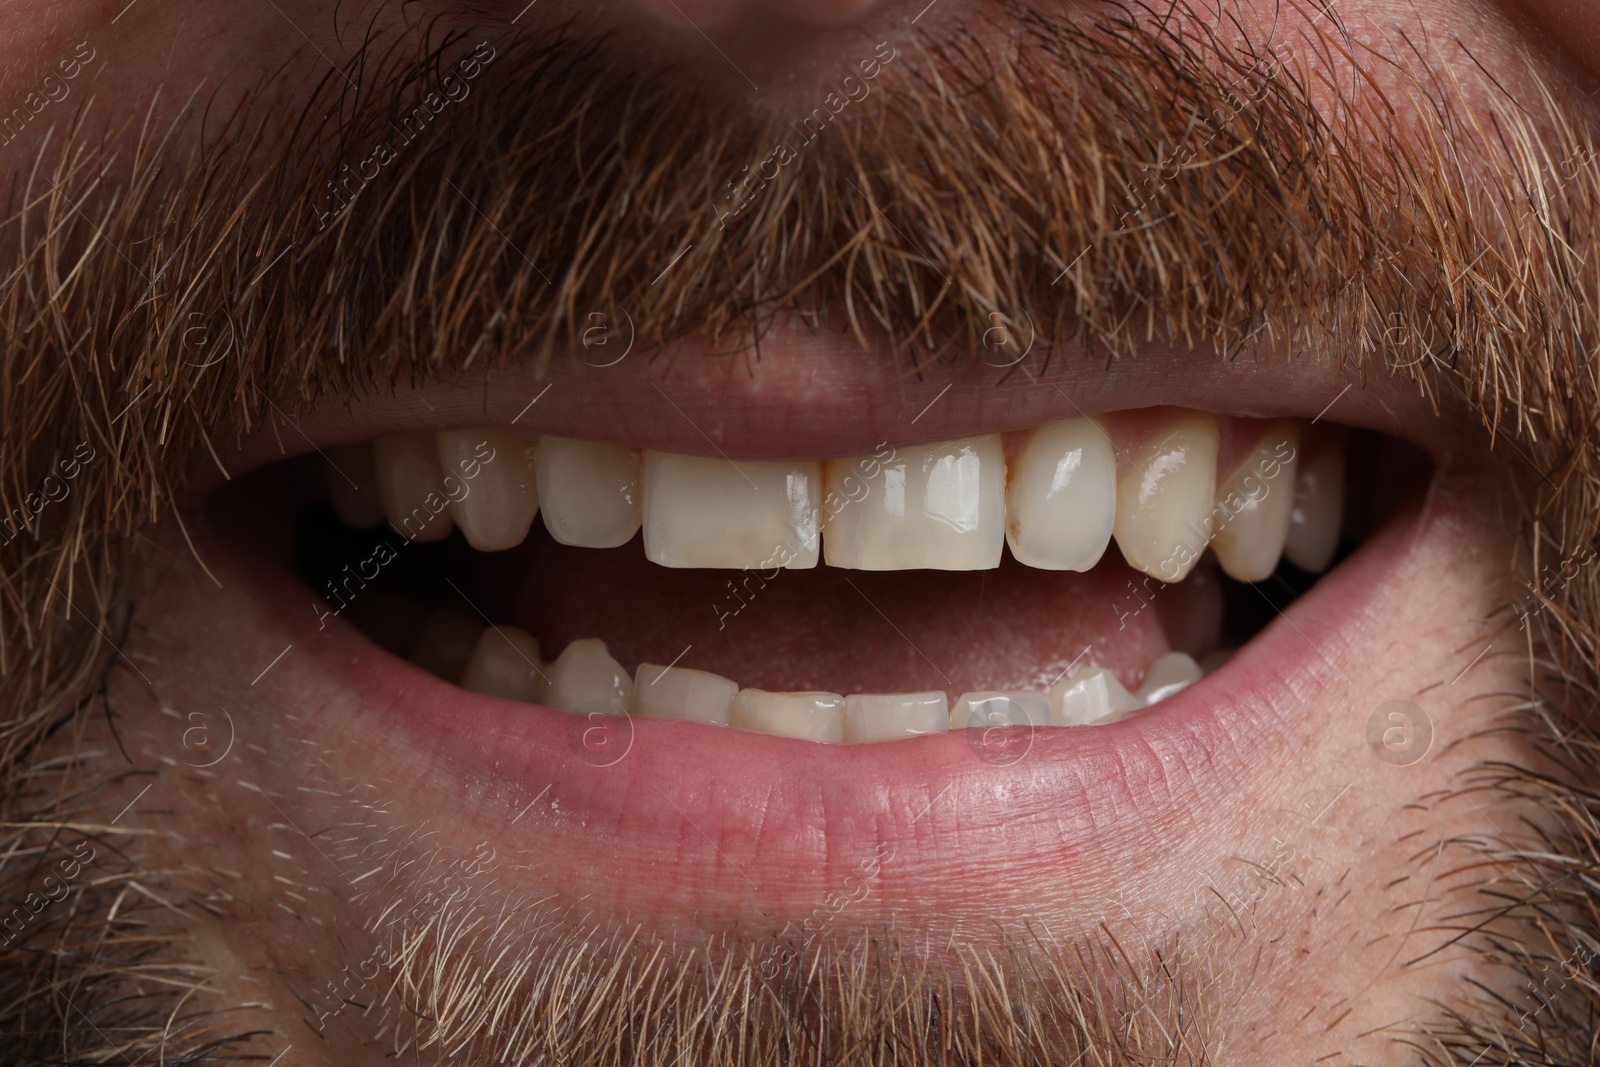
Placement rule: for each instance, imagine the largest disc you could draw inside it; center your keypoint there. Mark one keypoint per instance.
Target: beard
(158, 300)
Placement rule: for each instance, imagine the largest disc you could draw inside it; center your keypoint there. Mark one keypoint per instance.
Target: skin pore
(1272, 204)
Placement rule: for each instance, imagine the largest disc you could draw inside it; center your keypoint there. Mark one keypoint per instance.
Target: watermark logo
(1000, 732)
(601, 334)
(344, 587)
(1007, 341)
(1399, 732)
(54, 488)
(851, 489)
(198, 741)
(53, 89)
(210, 341)
(601, 732)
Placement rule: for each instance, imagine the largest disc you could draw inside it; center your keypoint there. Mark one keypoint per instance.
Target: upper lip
(820, 397)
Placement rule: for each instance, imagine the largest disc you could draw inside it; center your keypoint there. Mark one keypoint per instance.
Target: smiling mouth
(736, 616)
(1006, 586)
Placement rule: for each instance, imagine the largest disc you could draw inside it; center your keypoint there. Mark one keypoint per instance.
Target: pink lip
(691, 816)
(819, 397)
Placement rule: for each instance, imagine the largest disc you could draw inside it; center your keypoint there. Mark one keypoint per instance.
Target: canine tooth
(708, 512)
(1062, 497)
(353, 485)
(1169, 674)
(1253, 506)
(585, 673)
(589, 493)
(1318, 510)
(681, 693)
(1091, 697)
(1164, 499)
(505, 663)
(411, 484)
(809, 716)
(488, 476)
(939, 506)
(993, 707)
(887, 716)
(445, 643)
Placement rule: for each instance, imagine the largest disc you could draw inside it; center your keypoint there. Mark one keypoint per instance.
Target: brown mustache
(1096, 187)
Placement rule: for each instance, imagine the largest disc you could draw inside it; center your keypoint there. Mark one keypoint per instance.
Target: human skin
(275, 793)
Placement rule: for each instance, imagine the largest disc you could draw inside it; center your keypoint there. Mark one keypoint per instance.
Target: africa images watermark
(32, 905)
(741, 192)
(1399, 732)
(815, 924)
(1576, 963)
(1256, 486)
(52, 90)
(351, 182)
(1253, 490)
(52, 490)
(452, 490)
(853, 488)
(356, 982)
(1540, 592)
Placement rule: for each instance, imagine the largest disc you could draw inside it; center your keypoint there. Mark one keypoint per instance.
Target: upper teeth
(1062, 501)
(1318, 509)
(945, 506)
(494, 509)
(937, 506)
(1164, 495)
(951, 505)
(410, 480)
(590, 492)
(1256, 503)
(700, 511)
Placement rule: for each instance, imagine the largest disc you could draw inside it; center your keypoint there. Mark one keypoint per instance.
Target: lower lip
(767, 820)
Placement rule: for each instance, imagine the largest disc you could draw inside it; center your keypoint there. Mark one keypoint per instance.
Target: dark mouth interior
(824, 629)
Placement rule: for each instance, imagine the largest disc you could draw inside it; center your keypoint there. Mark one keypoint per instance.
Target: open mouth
(1077, 574)
(745, 667)
(976, 615)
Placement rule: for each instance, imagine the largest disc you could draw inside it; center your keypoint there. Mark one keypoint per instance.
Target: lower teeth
(505, 663)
